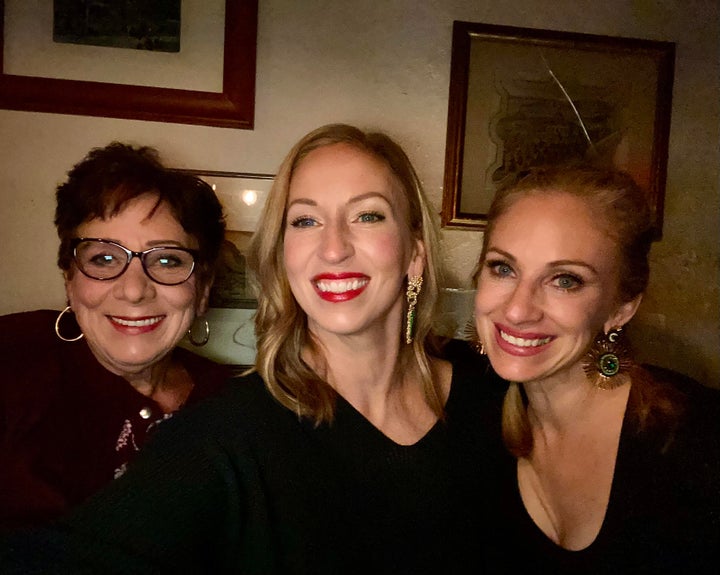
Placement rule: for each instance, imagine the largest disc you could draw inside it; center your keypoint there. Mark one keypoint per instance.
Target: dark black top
(239, 484)
(664, 510)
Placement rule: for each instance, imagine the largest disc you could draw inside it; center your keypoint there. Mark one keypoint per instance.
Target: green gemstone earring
(608, 360)
(413, 291)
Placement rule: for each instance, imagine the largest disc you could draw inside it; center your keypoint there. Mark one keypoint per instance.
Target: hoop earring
(206, 335)
(413, 290)
(57, 327)
(608, 361)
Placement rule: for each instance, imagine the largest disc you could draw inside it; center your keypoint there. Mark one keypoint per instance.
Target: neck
(362, 365)
(368, 374)
(557, 404)
(150, 379)
(360, 368)
(165, 382)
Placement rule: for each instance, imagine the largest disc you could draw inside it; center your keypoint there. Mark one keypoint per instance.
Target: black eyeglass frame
(75, 242)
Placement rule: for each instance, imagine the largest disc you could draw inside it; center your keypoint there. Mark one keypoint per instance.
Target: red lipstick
(518, 343)
(135, 325)
(340, 287)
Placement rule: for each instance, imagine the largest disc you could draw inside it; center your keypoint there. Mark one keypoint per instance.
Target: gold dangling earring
(57, 327)
(206, 335)
(607, 363)
(471, 335)
(413, 290)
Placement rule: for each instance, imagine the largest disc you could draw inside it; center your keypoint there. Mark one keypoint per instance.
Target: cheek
(583, 317)
(291, 260)
(83, 292)
(484, 305)
(299, 259)
(488, 296)
(184, 297)
(389, 250)
(595, 324)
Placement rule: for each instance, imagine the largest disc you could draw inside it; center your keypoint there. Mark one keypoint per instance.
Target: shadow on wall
(653, 344)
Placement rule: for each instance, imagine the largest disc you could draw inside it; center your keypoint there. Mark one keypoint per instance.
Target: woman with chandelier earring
(82, 390)
(610, 467)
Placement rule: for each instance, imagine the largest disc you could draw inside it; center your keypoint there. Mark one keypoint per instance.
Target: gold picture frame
(516, 97)
(232, 300)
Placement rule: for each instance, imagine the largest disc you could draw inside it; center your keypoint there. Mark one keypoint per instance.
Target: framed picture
(522, 97)
(232, 106)
(242, 196)
(232, 301)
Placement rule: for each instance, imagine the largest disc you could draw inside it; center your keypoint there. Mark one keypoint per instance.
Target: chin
(511, 371)
(133, 365)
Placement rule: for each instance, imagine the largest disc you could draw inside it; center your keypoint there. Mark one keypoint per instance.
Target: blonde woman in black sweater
(349, 449)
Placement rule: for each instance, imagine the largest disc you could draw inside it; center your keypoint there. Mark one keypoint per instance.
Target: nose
(336, 242)
(524, 303)
(134, 285)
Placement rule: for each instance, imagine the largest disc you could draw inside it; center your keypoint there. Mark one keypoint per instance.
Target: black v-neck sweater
(239, 484)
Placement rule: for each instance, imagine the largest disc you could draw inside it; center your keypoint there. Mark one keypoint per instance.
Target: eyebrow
(353, 200)
(552, 264)
(169, 243)
(152, 243)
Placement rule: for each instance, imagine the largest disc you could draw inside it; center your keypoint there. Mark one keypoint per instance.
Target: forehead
(141, 214)
(344, 168)
(554, 226)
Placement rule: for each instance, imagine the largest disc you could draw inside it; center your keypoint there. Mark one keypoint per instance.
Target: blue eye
(567, 282)
(370, 217)
(167, 262)
(168, 259)
(499, 268)
(103, 260)
(303, 222)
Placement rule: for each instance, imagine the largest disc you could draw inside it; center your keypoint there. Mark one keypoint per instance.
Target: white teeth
(521, 342)
(341, 286)
(138, 322)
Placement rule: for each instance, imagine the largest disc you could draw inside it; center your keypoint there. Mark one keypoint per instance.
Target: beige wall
(386, 64)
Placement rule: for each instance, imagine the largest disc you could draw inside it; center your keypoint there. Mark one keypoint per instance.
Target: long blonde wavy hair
(281, 326)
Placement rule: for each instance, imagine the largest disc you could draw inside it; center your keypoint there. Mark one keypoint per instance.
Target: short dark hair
(108, 178)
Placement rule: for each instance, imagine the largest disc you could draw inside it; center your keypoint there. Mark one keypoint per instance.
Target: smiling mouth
(137, 322)
(522, 342)
(341, 286)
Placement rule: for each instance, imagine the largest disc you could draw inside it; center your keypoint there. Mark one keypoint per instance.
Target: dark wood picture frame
(234, 107)
(472, 122)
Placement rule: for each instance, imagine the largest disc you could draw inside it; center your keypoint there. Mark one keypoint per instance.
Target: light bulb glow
(249, 197)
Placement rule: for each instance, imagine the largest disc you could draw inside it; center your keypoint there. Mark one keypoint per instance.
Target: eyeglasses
(105, 260)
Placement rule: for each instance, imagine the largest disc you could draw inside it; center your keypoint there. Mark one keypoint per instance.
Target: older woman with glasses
(138, 245)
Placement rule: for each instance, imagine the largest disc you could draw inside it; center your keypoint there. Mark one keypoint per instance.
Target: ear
(417, 261)
(623, 314)
(203, 298)
(68, 287)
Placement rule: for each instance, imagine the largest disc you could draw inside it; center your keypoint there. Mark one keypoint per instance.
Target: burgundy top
(67, 425)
